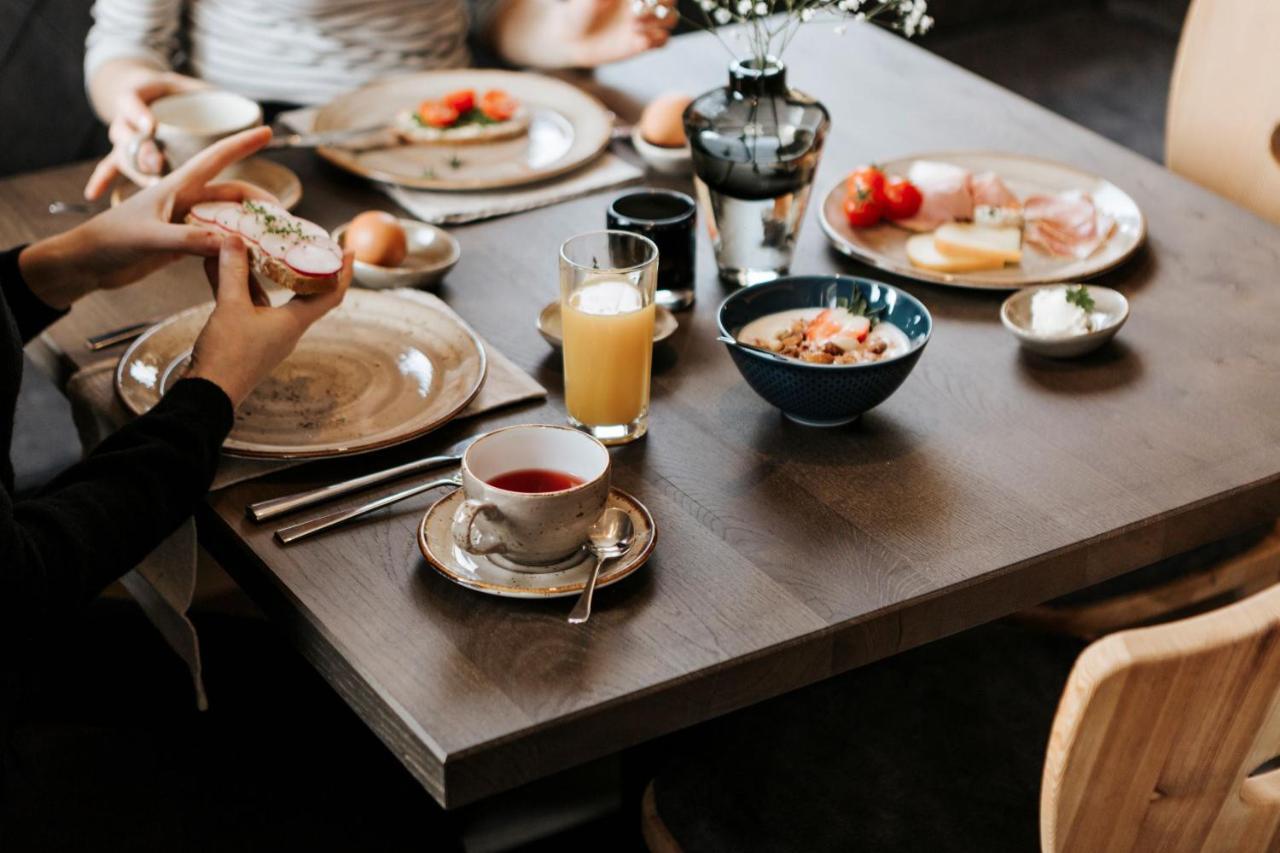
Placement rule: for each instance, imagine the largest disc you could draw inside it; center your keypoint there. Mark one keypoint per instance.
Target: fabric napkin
(164, 583)
(443, 208)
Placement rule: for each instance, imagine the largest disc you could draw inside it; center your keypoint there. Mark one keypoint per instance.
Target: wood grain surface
(991, 481)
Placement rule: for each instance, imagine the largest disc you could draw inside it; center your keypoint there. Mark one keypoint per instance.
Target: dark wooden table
(990, 482)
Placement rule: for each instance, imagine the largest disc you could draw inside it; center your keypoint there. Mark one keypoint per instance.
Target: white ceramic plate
(280, 181)
(884, 245)
(567, 128)
(485, 575)
(378, 370)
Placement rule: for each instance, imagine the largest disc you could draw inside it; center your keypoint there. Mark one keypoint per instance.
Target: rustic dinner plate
(567, 128)
(884, 245)
(377, 371)
(489, 575)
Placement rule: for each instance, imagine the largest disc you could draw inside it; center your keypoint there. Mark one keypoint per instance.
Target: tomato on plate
(902, 199)
(497, 105)
(463, 100)
(861, 208)
(869, 179)
(437, 114)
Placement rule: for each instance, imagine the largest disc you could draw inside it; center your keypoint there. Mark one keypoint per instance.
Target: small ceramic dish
(1111, 309)
(663, 160)
(664, 324)
(432, 253)
(823, 395)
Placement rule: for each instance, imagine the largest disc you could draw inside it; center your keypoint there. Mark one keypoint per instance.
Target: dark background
(1103, 63)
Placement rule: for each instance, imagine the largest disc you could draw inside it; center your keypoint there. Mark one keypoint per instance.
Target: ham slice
(945, 195)
(989, 191)
(1067, 225)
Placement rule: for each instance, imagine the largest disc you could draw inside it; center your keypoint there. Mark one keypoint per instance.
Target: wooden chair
(1163, 740)
(1250, 570)
(1223, 125)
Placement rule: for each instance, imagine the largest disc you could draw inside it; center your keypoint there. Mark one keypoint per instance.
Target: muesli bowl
(825, 395)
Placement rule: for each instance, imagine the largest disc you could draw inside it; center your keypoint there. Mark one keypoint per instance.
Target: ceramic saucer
(486, 575)
(281, 181)
(664, 324)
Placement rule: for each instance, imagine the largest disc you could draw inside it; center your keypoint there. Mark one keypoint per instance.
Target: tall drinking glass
(607, 284)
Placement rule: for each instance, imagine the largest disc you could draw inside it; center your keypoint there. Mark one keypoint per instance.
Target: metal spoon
(610, 537)
(767, 353)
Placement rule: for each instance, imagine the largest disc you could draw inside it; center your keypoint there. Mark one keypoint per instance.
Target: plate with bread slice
(468, 129)
(983, 220)
(376, 371)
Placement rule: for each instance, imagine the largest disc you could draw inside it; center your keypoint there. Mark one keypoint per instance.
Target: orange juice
(608, 351)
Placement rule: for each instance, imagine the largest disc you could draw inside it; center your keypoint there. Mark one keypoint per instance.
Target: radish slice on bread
(289, 251)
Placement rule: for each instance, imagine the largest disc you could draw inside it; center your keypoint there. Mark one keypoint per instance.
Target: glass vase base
(748, 277)
(611, 434)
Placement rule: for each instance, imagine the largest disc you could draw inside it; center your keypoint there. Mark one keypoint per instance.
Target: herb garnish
(472, 116)
(1080, 296)
(274, 224)
(455, 162)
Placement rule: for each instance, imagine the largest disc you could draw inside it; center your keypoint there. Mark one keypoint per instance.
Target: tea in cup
(533, 492)
(190, 122)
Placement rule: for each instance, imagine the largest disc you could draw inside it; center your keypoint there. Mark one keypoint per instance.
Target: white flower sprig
(769, 25)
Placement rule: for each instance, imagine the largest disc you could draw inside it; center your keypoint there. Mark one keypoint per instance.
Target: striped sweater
(292, 51)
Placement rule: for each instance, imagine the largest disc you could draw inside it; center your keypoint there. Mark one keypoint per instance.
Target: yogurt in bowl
(1064, 320)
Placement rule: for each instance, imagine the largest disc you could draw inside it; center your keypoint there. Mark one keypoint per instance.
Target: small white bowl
(432, 253)
(1111, 309)
(552, 331)
(663, 160)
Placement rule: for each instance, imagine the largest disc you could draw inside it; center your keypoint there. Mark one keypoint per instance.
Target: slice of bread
(261, 224)
(966, 240)
(922, 253)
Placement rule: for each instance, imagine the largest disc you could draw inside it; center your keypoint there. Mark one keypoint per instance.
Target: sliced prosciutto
(989, 191)
(945, 195)
(1067, 225)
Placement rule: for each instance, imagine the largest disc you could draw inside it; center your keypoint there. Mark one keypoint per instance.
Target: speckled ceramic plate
(484, 574)
(379, 370)
(269, 175)
(567, 128)
(885, 246)
(552, 331)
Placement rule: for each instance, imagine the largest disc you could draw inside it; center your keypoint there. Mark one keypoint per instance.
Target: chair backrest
(1223, 127)
(1158, 731)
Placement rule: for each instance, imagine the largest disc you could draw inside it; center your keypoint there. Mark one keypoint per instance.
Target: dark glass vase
(755, 146)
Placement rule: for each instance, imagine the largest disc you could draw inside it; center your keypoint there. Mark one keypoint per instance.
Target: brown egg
(376, 237)
(662, 121)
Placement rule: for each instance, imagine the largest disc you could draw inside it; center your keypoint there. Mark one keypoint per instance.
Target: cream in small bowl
(1064, 320)
(429, 253)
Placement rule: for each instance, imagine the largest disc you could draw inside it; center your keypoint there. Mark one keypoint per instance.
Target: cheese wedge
(966, 240)
(922, 252)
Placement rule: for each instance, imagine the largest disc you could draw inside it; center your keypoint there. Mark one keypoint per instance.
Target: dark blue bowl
(824, 394)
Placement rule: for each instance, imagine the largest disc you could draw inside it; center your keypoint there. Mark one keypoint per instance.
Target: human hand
(134, 153)
(143, 233)
(580, 33)
(245, 338)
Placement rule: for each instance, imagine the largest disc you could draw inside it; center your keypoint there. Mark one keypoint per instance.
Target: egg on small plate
(659, 136)
(394, 252)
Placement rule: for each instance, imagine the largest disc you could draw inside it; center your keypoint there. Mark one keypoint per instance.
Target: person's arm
(573, 33)
(31, 314)
(127, 65)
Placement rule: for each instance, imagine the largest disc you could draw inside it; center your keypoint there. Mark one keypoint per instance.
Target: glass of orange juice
(607, 284)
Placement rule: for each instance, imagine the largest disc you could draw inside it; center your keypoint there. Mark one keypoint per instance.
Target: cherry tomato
(902, 199)
(862, 209)
(463, 100)
(497, 105)
(437, 114)
(869, 179)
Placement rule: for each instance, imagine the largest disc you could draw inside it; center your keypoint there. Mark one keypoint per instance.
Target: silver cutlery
(59, 207)
(117, 336)
(268, 509)
(610, 537)
(734, 342)
(382, 136)
(294, 532)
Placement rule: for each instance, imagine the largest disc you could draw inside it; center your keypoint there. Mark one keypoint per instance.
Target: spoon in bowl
(610, 537)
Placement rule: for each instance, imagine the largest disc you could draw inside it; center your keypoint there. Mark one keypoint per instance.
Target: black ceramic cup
(668, 218)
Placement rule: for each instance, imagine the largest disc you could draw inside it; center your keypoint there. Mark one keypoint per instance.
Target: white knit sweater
(294, 51)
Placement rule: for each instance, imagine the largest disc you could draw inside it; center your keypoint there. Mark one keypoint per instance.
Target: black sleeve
(31, 314)
(101, 516)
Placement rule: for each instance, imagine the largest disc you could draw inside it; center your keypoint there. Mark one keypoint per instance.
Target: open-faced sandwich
(284, 249)
(462, 118)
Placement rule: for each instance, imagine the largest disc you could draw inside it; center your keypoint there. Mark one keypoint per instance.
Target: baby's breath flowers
(770, 25)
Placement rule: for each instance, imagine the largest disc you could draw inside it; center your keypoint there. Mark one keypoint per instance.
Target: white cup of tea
(533, 492)
(189, 122)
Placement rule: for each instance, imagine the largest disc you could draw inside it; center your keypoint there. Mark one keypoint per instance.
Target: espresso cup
(532, 529)
(190, 122)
